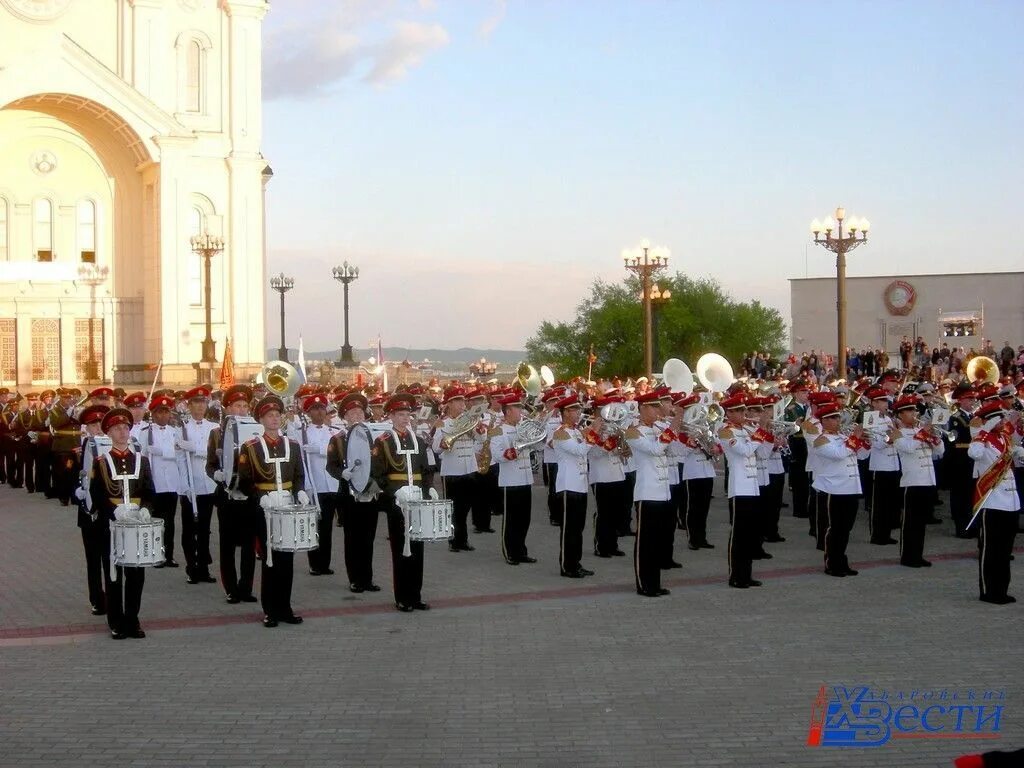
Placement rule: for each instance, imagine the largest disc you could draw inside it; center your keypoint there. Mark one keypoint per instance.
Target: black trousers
(772, 506)
(15, 479)
(648, 550)
(517, 504)
(681, 502)
(627, 508)
(236, 530)
(840, 514)
(484, 495)
(195, 534)
(96, 542)
(42, 457)
(570, 540)
(995, 545)
(744, 538)
(554, 503)
(820, 520)
(460, 489)
(26, 463)
(360, 523)
(798, 486)
(885, 505)
(406, 572)
(320, 558)
(124, 596)
(610, 498)
(65, 475)
(698, 502)
(165, 506)
(812, 506)
(918, 507)
(276, 579)
(867, 482)
(667, 539)
(961, 494)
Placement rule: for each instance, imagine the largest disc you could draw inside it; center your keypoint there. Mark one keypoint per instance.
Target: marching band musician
(42, 444)
(193, 443)
(158, 441)
(770, 472)
(121, 465)
(699, 477)
(483, 494)
(458, 468)
(359, 512)
(837, 481)
(95, 534)
(811, 429)
(740, 449)
(550, 461)
(651, 444)
(996, 502)
(608, 481)
(797, 411)
(24, 429)
(316, 436)
(673, 455)
(959, 469)
(270, 475)
(884, 466)
(136, 405)
(918, 449)
(396, 456)
(571, 450)
(67, 437)
(236, 524)
(493, 417)
(515, 481)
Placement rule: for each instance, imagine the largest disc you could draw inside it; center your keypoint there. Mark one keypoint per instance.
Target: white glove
(33, 436)
(167, 452)
(281, 498)
(267, 501)
(408, 493)
(186, 446)
(432, 493)
(80, 494)
(144, 515)
(218, 476)
(346, 474)
(303, 498)
(121, 512)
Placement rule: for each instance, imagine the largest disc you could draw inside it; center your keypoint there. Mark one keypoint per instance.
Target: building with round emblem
(960, 309)
(127, 127)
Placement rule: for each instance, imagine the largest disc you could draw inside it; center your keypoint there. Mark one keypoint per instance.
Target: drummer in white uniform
(315, 437)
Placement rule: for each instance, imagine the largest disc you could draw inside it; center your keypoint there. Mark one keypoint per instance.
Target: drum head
(357, 457)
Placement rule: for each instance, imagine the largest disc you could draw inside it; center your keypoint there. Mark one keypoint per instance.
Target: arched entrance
(76, 184)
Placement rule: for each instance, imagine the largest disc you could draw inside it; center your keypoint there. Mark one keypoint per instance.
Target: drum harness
(280, 489)
(125, 494)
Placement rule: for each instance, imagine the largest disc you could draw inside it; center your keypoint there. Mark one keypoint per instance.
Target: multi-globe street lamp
(840, 244)
(345, 274)
(282, 285)
(646, 261)
(207, 246)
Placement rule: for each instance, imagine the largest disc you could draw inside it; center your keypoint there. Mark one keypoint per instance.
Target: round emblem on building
(44, 162)
(899, 297)
(37, 10)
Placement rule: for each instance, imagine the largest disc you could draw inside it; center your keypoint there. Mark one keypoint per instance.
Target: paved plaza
(514, 666)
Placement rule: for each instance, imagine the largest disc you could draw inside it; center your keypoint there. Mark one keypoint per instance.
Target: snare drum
(429, 519)
(137, 544)
(293, 528)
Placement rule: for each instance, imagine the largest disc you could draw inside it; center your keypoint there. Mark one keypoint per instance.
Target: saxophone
(483, 459)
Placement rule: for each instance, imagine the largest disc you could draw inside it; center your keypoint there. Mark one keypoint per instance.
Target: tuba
(982, 368)
(676, 375)
(281, 378)
(714, 372)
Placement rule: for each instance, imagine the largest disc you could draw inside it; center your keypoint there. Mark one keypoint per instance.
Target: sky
(484, 161)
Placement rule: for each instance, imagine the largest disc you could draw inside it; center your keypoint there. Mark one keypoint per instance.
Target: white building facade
(127, 127)
(959, 309)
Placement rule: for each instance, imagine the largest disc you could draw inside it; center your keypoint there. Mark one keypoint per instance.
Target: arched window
(42, 230)
(197, 225)
(3, 229)
(87, 231)
(194, 77)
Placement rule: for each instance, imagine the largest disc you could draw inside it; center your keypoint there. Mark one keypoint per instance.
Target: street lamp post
(646, 261)
(345, 274)
(658, 299)
(282, 285)
(207, 246)
(93, 276)
(840, 245)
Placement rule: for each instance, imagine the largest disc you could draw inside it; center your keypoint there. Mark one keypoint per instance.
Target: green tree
(700, 317)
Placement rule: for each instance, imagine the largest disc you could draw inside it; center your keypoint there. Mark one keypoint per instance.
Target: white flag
(302, 361)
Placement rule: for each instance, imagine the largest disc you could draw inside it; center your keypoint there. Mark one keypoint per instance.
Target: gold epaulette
(633, 433)
(562, 434)
(725, 433)
(494, 432)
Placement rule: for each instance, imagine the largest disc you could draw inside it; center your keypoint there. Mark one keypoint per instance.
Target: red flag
(227, 368)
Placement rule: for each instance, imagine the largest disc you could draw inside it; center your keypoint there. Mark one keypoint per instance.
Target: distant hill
(397, 354)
